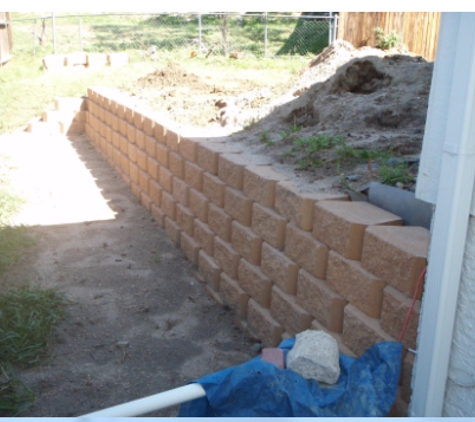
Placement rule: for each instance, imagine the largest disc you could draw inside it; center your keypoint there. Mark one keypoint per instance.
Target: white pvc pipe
(449, 229)
(151, 403)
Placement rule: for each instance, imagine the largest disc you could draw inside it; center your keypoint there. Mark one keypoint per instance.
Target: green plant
(28, 317)
(264, 136)
(390, 175)
(15, 397)
(385, 42)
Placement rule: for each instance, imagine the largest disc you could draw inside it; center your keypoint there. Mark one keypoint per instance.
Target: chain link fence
(225, 34)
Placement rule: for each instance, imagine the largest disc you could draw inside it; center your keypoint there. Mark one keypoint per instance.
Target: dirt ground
(139, 322)
(374, 100)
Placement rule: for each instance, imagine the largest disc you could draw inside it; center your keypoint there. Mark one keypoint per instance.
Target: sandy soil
(139, 322)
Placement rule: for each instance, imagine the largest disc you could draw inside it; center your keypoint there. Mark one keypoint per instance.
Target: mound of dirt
(375, 102)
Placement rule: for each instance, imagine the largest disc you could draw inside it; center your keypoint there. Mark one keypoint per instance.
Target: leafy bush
(385, 42)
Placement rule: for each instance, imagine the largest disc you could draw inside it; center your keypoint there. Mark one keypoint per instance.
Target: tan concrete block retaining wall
(284, 261)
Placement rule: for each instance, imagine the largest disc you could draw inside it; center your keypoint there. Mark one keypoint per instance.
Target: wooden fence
(6, 40)
(419, 30)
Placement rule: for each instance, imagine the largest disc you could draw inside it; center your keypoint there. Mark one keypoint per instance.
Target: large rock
(315, 356)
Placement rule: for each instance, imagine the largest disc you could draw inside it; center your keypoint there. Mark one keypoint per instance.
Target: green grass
(15, 396)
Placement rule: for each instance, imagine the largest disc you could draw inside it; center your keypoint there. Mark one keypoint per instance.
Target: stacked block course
(283, 260)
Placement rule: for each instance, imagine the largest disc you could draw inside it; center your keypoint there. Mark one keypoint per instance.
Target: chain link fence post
(80, 34)
(265, 34)
(53, 31)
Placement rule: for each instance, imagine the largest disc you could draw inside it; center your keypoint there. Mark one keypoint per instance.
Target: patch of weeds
(13, 243)
(291, 129)
(385, 42)
(308, 148)
(249, 123)
(15, 397)
(28, 317)
(391, 175)
(265, 137)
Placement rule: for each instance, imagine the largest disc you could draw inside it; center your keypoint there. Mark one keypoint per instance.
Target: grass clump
(15, 397)
(386, 42)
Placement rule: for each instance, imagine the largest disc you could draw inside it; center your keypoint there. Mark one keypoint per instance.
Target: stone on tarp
(315, 356)
(274, 356)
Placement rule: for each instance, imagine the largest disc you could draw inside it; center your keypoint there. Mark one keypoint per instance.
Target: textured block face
(131, 135)
(150, 146)
(158, 215)
(194, 176)
(261, 323)
(397, 255)
(226, 257)
(159, 133)
(199, 205)
(140, 139)
(204, 236)
(134, 173)
(172, 139)
(288, 313)
(246, 243)
(188, 149)
(209, 269)
(298, 206)
(123, 127)
(124, 145)
(165, 177)
(144, 179)
(395, 308)
(238, 206)
(360, 332)
(148, 125)
(233, 296)
(185, 219)
(309, 253)
(152, 168)
(132, 150)
(219, 222)
(190, 248)
(180, 191)
(155, 192)
(173, 231)
(138, 120)
(162, 154)
(259, 184)
(355, 284)
(213, 189)
(231, 170)
(169, 205)
(341, 224)
(176, 164)
(254, 283)
(129, 114)
(269, 225)
(136, 190)
(208, 155)
(142, 159)
(145, 201)
(280, 269)
(320, 301)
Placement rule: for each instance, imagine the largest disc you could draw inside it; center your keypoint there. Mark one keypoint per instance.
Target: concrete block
(173, 231)
(131, 133)
(148, 125)
(320, 301)
(155, 192)
(162, 152)
(208, 155)
(280, 269)
(226, 257)
(246, 243)
(176, 164)
(159, 133)
(74, 59)
(199, 205)
(341, 224)
(180, 191)
(220, 222)
(138, 120)
(233, 296)
(172, 139)
(255, 283)
(275, 356)
(134, 173)
(131, 148)
(204, 236)
(146, 201)
(288, 313)
(209, 269)
(54, 62)
(268, 225)
(190, 248)
(350, 280)
(169, 205)
(150, 145)
(263, 325)
(397, 255)
(298, 206)
(238, 206)
(309, 253)
(185, 219)
(117, 59)
(158, 215)
(123, 127)
(165, 178)
(360, 331)
(144, 180)
(395, 308)
(188, 149)
(213, 189)
(142, 159)
(259, 184)
(95, 60)
(194, 176)
(140, 138)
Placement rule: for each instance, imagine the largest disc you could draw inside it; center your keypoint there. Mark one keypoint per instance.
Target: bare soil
(375, 100)
(139, 322)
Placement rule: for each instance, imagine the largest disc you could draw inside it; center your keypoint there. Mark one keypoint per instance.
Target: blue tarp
(366, 387)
